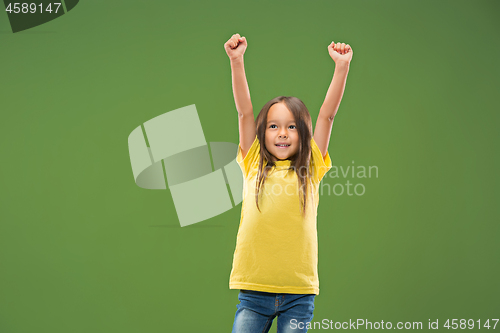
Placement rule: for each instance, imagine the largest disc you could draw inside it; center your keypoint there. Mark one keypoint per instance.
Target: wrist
(342, 64)
(237, 60)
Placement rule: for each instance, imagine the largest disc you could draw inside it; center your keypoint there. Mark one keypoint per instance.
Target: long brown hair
(300, 161)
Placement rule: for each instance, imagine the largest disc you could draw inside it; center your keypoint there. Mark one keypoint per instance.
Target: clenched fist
(235, 47)
(340, 52)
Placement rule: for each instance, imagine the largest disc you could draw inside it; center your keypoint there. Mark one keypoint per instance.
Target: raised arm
(342, 55)
(235, 48)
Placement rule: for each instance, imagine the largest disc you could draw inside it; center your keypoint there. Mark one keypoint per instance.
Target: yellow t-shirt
(277, 248)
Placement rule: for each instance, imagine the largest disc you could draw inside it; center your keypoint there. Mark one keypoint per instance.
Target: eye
(271, 126)
(292, 126)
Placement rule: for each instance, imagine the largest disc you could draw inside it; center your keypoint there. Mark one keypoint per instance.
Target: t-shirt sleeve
(320, 165)
(251, 160)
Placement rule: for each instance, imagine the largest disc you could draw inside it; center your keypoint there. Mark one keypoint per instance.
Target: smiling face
(281, 130)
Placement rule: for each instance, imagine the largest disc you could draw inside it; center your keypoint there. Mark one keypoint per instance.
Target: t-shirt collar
(283, 164)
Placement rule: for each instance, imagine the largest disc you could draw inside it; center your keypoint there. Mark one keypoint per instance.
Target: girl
(276, 255)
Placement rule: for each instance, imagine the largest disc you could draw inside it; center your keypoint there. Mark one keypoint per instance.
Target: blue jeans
(257, 309)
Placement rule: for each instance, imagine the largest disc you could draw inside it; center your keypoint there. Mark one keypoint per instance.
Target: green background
(84, 249)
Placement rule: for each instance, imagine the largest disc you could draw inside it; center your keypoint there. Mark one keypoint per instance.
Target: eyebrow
(275, 121)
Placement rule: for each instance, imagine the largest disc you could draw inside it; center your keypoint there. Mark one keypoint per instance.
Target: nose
(282, 134)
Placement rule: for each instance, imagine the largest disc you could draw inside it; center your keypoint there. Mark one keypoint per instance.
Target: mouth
(282, 146)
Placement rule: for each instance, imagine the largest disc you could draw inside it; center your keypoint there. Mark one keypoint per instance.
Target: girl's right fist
(340, 52)
(235, 47)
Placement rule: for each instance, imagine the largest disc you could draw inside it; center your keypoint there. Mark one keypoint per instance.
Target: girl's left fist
(340, 52)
